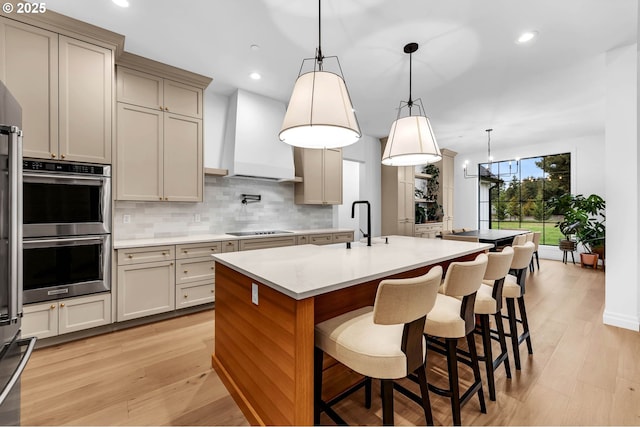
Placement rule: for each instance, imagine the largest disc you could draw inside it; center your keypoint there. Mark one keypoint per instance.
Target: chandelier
(489, 173)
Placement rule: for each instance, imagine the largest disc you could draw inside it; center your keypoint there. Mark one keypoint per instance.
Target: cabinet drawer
(230, 246)
(195, 270)
(321, 239)
(194, 294)
(343, 237)
(302, 240)
(271, 242)
(140, 255)
(194, 250)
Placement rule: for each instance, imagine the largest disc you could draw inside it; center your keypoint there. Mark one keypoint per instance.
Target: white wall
(622, 297)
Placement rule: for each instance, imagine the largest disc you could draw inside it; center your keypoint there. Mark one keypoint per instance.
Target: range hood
(251, 147)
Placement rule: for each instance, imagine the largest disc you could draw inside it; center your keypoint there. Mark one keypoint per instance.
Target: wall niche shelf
(421, 175)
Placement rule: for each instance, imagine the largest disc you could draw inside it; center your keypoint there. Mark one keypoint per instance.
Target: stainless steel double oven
(67, 229)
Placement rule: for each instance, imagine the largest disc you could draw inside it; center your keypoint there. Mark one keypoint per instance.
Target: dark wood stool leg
(424, 391)
(317, 384)
(503, 343)
(476, 370)
(488, 355)
(454, 386)
(387, 402)
(513, 331)
(525, 323)
(367, 392)
(537, 260)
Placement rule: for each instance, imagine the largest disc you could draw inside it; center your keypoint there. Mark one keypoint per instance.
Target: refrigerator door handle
(15, 226)
(18, 371)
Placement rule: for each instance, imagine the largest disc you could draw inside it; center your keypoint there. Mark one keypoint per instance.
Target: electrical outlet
(126, 219)
(196, 218)
(254, 293)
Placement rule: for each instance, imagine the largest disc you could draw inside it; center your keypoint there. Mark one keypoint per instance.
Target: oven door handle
(67, 241)
(19, 369)
(47, 178)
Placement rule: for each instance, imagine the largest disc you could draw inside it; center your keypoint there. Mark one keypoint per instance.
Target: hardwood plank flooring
(581, 372)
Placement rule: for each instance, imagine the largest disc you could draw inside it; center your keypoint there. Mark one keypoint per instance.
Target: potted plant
(421, 214)
(584, 218)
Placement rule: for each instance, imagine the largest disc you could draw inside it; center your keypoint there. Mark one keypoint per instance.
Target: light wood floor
(582, 372)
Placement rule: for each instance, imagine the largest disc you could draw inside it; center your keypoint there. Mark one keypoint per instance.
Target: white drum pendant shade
(411, 142)
(320, 114)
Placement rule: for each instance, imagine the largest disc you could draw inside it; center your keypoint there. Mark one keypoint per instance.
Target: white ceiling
(468, 71)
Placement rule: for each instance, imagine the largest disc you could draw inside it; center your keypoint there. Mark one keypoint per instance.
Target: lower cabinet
(428, 231)
(267, 242)
(145, 289)
(190, 294)
(53, 318)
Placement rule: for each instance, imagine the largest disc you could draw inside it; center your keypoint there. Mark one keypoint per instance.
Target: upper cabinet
(446, 187)
(146, 90)
(159, 132)
(64, 86)
(321, 172)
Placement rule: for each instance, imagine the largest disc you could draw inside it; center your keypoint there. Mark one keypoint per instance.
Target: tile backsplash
(220, 212)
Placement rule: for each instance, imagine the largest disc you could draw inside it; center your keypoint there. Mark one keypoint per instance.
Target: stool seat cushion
(367, 348)
(444, 319)
(511, 288)
(485, 303)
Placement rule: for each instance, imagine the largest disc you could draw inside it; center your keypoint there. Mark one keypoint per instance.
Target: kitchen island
(268, 301)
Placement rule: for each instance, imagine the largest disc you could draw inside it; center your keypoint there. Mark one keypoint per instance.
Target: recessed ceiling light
(527, 37)
(254, 47)
(255, 76)
(121, 3)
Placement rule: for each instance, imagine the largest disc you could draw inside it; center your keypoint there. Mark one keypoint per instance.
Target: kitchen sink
(258, 233)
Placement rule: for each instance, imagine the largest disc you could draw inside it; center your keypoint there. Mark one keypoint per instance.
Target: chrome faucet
(353, 214)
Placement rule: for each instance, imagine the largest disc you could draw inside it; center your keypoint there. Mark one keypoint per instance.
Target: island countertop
(305, 271)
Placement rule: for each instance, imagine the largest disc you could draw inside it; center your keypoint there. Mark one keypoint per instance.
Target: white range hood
(251, 147)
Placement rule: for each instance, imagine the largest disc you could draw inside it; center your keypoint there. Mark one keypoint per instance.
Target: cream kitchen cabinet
(64, 86)
(428, 230)
(146, 282)
(398, 200)
(445, 195)
(195, 274)
(343, 237)
(159, 138)
(229, 246)
(64, 316)
(267, 242)
(321, 172)
(146, 90)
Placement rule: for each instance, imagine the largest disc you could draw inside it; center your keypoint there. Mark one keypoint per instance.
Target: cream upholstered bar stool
(452, 318)
(513, 290)
(520, 239)
(489, 302)
(384, 342)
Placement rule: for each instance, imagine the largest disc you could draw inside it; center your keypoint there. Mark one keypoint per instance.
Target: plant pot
(589, 260)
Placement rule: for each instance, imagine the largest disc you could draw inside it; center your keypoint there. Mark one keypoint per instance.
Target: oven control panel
(75, 168)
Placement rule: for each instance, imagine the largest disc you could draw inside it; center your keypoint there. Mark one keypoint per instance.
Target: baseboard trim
(621, 321)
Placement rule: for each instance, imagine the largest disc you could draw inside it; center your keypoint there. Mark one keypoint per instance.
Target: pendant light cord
(489, 145)
(410, 103)
(319, 56)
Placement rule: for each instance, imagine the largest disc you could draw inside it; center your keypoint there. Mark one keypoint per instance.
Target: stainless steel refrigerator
(15, 351)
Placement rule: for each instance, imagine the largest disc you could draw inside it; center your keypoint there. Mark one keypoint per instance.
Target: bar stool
(514, 288)
(452, 318)
(384, 341)
(520, 239)
(489, 302)
(536, 242)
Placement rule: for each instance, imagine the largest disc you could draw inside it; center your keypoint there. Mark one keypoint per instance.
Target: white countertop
(200, 238)
(308, 270)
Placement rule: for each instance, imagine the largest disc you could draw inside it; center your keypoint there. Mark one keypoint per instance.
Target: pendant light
(488, 173)
(320, 113)
(411, 140)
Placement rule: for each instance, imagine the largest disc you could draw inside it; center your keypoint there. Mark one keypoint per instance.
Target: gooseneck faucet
(353, 214)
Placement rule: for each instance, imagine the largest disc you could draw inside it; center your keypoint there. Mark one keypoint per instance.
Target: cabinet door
(230, 246)
(321, 239)
(310, 191)
(141, 89)
(182, 99)
(29, 68)
(139, 153)
(183, 173)
(145, 289)
(85, 100)
(40, 320)
(332, 178)
(83, 313)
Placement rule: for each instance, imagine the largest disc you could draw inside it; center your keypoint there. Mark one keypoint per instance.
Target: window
(513, 195)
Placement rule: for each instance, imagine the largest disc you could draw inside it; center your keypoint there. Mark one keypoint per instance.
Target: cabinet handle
(130, 256)
(166, 198)
(186, 271)
(213, 268)
(62, 156)
(186, 296)
(160, 198)
(166, 108)
(61, 304)
(212, 291)
(161, 108)
(185, 251)
(53, 155)
(164, 253)
(53, 306)
(170, 263)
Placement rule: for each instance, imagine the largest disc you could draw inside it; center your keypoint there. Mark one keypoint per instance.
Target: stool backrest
(522, 255)
(536, 239)
(520, 239)
(499, 264)
(464, 278)
(405, 300)
(529, 237)
(460, 238)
